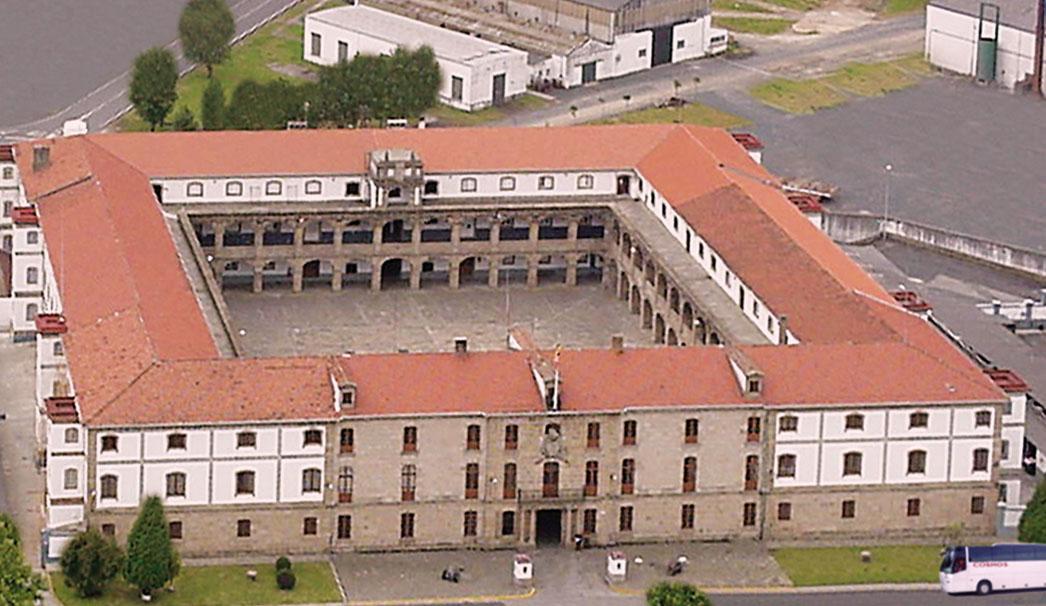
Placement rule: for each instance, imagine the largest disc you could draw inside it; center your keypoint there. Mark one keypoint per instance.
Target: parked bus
(996, 568)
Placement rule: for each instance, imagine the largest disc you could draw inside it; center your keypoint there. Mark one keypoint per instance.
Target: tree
(89, 562)
(206, 28)
(401, 85)
(1032, 528)
(676, 594)
(151, 560)
(271, 105)
(19, 585)
(184, 120)
(152, 85)
(212, 108)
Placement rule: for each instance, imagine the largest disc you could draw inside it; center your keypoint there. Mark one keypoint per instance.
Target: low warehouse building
(476, 73)
(955, 32)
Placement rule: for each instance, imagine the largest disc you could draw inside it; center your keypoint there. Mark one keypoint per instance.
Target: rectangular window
(589, 522)
(109, 530)
(347, 440)
(546, 182)
(852, 464)
(689, 474)
(918, 419)
(507, 183)
(983, 418)
(406, 525)
(508, 523)
(690, 429)
(913, 507)
(642, 53)
(980, 459)
(176, 484)
(457, 88)
(753, 429)
(788, 423)
(472, 481)
(591, 478)
(109, 485)
(176, 441)
(511, 437)
(687, 517)
(849, 508)
(344, 527)
(174, 529)
(471, 523)
(624, 518)
(855, 421)
(109, 443)
(246, 439)
(592, 439)
(309, 527)
(749, 514)
(312, 437)
(509, 482)
(311, 480)
(243, 528)
(976, 505)
(315, 45)
(352, 189)
(245, 482)
(343, 51)
(629, 435)
(680, 44)
(345, 480)
(410, 439)
(628, 476)
(784, 511)
(786, 466)
(472, 435)
(408, 482)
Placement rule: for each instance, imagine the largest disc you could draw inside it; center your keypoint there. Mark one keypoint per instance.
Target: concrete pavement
(66, 59)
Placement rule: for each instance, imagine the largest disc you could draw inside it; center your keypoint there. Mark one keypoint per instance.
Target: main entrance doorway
(588, 72)
(499, 89)
(549, 527)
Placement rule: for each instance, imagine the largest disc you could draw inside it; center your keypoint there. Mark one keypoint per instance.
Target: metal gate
(662, 51)
(588, 72)
(499, 89)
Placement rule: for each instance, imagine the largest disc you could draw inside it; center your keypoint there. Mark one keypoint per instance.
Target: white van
(996, 568)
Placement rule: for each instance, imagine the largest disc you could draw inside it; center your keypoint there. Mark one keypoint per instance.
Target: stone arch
(635, 300)
(435, 271)
(659, 329)
(395, 230)
(356, 273)
(649, 272)
(662, 286)
(700, 331)
(638, 258)
(357, 232)
(626, 245)
(623, 286)
(395, 273)
(673, 299)
(687, 315)
(648, 314)
(552, 269)
(671, 338)
(513, 270)
(590, 268)
(474, 271)
(713, 338)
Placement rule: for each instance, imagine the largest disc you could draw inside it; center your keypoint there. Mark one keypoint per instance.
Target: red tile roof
(141, 352)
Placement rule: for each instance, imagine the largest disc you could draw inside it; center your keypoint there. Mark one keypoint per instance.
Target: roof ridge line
(101, 409)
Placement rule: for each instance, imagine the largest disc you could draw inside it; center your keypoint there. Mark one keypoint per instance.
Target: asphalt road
(65, 59)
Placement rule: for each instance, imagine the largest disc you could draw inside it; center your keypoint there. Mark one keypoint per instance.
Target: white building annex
(476, 73)
(953, 27)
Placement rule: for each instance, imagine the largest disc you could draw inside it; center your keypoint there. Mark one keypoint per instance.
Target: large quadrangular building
(776, 391)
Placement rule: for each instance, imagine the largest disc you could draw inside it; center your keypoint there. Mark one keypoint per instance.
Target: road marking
(479, 599)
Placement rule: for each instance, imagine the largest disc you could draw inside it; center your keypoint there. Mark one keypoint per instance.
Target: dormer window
(754, 385)
(855, 421)
(176, 441)
(72, 435)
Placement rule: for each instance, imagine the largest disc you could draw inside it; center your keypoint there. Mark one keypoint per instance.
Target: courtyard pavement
(316, 321)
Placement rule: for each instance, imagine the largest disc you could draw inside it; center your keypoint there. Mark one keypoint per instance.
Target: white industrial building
(954, 28)
(476, 73)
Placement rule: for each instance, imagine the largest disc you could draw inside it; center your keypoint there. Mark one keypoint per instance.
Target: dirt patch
(294, 71)
(833, 18)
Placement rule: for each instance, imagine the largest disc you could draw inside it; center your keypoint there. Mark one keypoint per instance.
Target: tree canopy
(212, 108)
(378, 87)
(19, 585)
(206, 28)
(90, 562)
(256, 106)
(153, 79)
(151, 559)
(1032, 528)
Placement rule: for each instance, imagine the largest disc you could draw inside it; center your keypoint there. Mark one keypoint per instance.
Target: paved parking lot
(965, 157)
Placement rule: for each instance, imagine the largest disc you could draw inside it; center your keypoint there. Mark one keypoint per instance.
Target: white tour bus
(999, 567)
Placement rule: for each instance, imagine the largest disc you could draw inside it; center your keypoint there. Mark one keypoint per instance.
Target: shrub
(1032, 528)
(676, 594)
(9, 530)
(183, 120)
(285, 580)
(89, 562)
(283, 563)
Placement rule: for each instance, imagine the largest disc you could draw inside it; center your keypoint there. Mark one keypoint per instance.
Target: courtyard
(317, 321)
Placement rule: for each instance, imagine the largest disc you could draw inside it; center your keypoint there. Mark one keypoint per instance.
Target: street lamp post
(888, 169)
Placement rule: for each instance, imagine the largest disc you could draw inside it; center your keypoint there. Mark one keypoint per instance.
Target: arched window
(855, 421)
(917, 461)
(244, 482)
(468, 184)
(852, 464)
(72, 435)
(311, 480)
(176, 484)
(507, 183)
(585, 182)
(108, 486)
(72, 478)
(273, 188)
(313, 187)
(234, 188)
(194, 190)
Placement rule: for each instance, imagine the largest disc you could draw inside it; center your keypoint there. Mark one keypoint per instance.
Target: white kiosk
(522, 569)
(617, 566)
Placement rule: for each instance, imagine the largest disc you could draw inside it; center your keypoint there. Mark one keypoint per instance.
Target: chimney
(996, 307)
(1029, 306)
(617, 343)
(41, 157)
(782, 330)
(461, 345)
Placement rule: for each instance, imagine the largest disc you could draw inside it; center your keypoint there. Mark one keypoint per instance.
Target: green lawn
(278, 43)
(915, 64)
(449, 116)
(797, 96)
(691, 113)
(900, 7)
(870, 79)
(842, 565)
(737, 5)
(220, 586)
(754, 25)
(797, 5)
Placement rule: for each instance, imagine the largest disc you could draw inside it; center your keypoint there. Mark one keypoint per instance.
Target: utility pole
(888, 169)
(1040, 33)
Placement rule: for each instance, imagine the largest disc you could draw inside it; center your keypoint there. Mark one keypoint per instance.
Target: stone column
(455, 231)
(376, 238)
(375, 274)
(609, 275)
(572, 230)
(495, 231)
(415, 235)
(259, 238)
(532, 270)
(415, 274)
(299, 238)
(259, 282)
(571, 261)
(338, 269)
(219, 236)
(296, 276)
(492, 273)
(533, 235)
(454, 272)
(339, 235)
